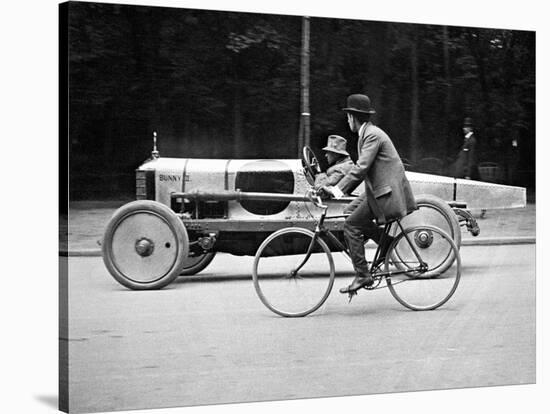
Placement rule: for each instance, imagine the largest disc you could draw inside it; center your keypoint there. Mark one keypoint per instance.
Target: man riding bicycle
(387, 194)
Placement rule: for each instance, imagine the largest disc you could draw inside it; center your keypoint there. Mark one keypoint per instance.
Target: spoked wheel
(195, 263)
(310, 163)
(285, 281)
(145, 245)
(429, 283)
(432, 211)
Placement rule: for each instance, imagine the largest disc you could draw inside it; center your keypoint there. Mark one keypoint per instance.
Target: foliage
(233, 80)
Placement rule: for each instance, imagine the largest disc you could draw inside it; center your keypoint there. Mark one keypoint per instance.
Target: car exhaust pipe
(238, 196)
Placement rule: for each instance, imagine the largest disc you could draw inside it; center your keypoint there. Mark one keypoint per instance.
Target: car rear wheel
(432, 211)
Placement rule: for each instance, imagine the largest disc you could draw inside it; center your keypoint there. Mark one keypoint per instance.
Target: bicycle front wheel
(428, 281)
(293, 272)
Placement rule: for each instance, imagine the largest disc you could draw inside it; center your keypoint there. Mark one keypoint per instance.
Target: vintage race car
(189, 209)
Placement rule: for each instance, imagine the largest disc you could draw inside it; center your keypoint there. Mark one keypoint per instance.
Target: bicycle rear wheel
(293, 272)
(428, 287)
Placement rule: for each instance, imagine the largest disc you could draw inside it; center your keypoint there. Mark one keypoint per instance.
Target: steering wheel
(310, 164)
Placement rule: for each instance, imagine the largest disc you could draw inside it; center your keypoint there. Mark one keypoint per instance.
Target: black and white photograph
(287, 207)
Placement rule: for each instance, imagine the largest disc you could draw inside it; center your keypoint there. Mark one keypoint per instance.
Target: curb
(487, 241)
(498, 241)
(81, 253)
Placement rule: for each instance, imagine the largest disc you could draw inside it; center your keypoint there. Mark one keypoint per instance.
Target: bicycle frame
(321, 230)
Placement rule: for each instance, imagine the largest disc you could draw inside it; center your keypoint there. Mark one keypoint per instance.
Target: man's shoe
(361, 280)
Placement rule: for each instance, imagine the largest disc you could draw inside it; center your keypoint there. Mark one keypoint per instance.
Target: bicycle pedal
(375, 285)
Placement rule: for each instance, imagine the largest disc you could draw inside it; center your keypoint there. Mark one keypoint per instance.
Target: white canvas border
(29, 208)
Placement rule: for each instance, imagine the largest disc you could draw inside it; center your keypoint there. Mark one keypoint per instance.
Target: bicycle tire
(430, 289)
(286, 294)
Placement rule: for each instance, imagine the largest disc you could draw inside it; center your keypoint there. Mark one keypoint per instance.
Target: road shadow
(51, 401)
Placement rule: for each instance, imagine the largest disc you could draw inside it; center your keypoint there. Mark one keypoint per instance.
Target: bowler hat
(337, 144)
(359, 103)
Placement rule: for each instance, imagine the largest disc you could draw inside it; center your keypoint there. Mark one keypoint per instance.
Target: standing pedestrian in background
(466, 162)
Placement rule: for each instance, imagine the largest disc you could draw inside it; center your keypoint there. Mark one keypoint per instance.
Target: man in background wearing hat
(465, 165)
(339, 162)
(387, 194)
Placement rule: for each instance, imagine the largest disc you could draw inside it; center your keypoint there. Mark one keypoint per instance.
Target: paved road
(213, 341)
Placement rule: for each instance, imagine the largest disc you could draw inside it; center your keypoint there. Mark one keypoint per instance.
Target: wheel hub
(144, 247)
(423, 238)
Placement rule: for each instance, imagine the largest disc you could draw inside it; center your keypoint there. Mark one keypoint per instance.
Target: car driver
(339, 162)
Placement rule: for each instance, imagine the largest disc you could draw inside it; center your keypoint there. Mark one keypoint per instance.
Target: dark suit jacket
(380, 167)
(334, 173)
(466, 165)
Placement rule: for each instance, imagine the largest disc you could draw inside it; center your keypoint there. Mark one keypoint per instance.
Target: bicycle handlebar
(315, 197)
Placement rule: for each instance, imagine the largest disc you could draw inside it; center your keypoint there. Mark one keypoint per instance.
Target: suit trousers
(359, 227)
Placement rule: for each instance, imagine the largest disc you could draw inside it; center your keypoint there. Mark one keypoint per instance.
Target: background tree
(232, 80)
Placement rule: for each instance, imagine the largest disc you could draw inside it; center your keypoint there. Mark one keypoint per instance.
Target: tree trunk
(238, 144)
(304, 137)
(414, 98)
(474, 42)
(377, 67)
(448, 91)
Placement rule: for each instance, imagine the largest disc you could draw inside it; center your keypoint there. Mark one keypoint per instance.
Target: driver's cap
(337, 144)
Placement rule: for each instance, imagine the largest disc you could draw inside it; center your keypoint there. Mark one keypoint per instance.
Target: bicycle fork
(294, 272)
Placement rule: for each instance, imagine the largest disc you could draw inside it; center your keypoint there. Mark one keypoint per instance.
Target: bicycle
(293, 269)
